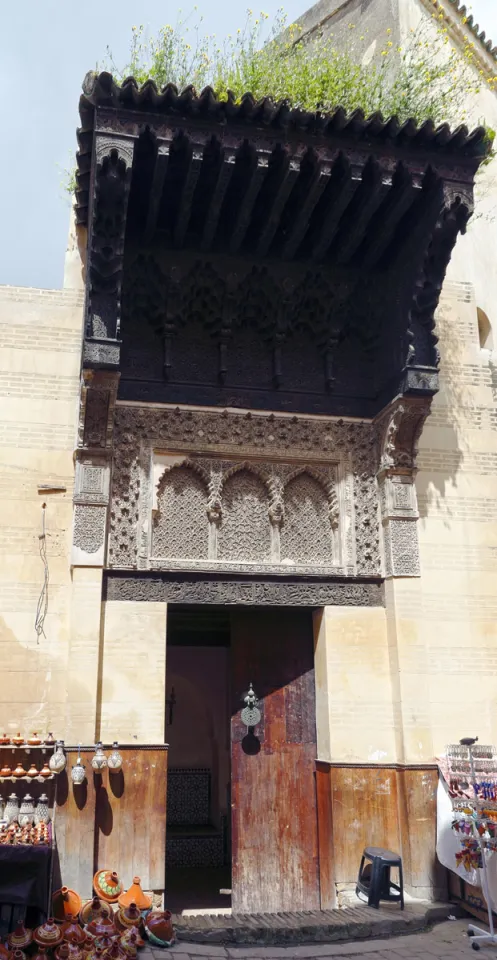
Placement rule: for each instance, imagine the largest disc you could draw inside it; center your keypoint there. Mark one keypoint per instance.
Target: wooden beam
(214, 210)
(371, 196)
(397, 205)
(302, 222)
(247, 205)
(344, 189)
(185, 204)
(281, 196)
(156, 189)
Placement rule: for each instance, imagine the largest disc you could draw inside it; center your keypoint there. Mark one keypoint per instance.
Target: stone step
(324, 926)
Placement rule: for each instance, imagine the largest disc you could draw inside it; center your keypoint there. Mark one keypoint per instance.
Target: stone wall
(40, 346)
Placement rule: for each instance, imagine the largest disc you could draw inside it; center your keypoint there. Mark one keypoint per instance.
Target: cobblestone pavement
(445, 940)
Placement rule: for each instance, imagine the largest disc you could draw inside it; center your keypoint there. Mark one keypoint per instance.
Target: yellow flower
(389, 44)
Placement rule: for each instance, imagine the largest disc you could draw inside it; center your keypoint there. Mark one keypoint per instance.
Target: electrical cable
(42, 606)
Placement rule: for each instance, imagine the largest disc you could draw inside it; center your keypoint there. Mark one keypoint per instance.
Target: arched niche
(306, 535)
(245, 532)
(485, 332)
(180, 527)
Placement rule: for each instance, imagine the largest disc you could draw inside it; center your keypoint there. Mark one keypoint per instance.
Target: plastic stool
(374, 877)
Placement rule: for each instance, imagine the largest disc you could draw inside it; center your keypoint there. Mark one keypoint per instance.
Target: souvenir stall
(467, 830)
(52, 804)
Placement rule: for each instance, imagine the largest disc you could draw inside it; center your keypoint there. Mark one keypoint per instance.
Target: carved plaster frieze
(339, 455)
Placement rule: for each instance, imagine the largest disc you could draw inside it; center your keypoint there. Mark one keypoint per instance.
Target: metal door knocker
(250, 715)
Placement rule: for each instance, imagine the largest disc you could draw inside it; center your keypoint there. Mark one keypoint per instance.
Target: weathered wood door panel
(274, 821)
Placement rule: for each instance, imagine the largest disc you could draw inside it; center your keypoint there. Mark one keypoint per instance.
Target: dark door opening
(198, 700)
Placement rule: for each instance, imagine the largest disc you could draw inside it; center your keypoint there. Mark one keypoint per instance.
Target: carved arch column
(111, 179)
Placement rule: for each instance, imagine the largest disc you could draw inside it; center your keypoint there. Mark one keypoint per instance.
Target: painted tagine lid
(133, 934)
(116, 952)
(127, 917)
(21, 937)
(159, 926)
(5, 771)
(102, 927)
(18, 741)
(48, 934)
(72, 932)
(34, 740)
(136, 895)
(63, 952)
(17, 955)
(19, 770)
(93, 909)
(4, 740)
(66, 904)
(40, 954)
(107, 885)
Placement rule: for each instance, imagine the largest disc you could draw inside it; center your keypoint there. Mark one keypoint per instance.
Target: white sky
(46, 47)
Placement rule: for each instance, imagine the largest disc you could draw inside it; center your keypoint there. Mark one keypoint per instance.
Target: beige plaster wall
(132, 695)
(40, 342)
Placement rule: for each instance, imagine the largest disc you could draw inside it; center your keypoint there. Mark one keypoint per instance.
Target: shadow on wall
(434, 482)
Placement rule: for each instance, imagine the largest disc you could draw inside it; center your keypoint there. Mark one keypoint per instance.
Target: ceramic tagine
(136, 934)
(159, 928)
(34, 740)
(136, 895)
(107, 885)
(94, 910)
(17, 955)
(45, 771)
(115, 760)
(4, 740)
(48, 934)
(99, 761)
(57, 762)
(19, 770)
(127, 917)
(4, 952)
(66, 904)
(116, 951)
(18, 741)
(20, 938)
(27, 812)
(103, 928)
(62, 953)
(49, 740)
(11, 811)
(33, 772)
(5, 771)
(40, 954)
(72, 932)
(130, 945)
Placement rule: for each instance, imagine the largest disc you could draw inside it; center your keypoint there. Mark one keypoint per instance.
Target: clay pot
(76, 952)
(104, 944)
(4, 741)
(34, 740)
(33, 772)
(107, 886)
(17, 741)
(116, 952)
(102, 927)
(17, 955)
(136, 895)
(93, 910)
(136, 933)
(41, 954)
(66, 904)
(4, 952)
(21, 937)
(49, 740)
(159, 927)
(72, 932)
(63, 952)
(95, 952)
(5, 771)
(45, 770)
(127, 917)
(19, 770)
(48, 934)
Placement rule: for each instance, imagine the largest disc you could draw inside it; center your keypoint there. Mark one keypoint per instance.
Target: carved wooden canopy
(252, 255)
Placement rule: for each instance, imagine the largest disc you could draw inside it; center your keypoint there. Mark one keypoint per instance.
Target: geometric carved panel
(245, 530)
(306, 534)
(180, 527)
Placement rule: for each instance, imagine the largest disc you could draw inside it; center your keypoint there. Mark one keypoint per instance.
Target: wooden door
(273, 797)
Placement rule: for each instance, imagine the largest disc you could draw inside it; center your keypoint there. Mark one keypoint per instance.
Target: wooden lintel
(302, 222)
(156, 190)
(185, 206)
(281, 196)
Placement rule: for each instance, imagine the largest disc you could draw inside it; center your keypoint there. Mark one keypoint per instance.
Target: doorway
(241, 819)
(198, 847)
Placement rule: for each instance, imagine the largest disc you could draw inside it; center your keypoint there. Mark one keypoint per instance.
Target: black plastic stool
(374, 877)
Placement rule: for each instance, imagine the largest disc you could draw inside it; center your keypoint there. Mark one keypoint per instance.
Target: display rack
(472, 771)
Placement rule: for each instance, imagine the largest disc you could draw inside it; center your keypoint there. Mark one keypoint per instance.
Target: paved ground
(446, 941)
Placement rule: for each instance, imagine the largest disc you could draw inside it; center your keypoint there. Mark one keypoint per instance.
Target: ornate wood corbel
(113, 158)
(399, 428)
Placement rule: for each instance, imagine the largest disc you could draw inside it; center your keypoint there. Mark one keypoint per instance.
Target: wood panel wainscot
(391, 806)
(113, 820)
